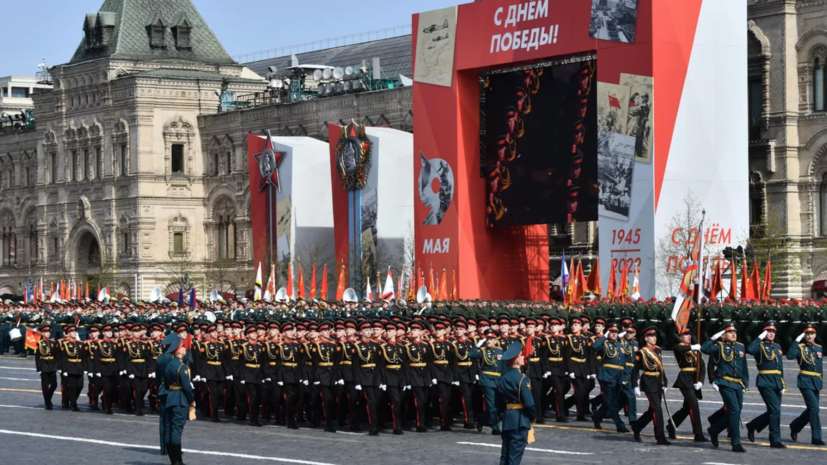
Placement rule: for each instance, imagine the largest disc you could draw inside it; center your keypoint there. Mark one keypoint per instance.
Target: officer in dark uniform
(515, 405)
(394, 382)
(536, 365)
(171, 339)
(211, 369)
(365, 355)
(653, 383)
(629, 347)
(321, 361)
(179, 400)
(419, 372)
(689, 381)
(47, 361)
(290, 370)
(610, 376)
(348, 399)
(556, 369)
(156, 332)
(271, 390)
(770, 382)
(137, 353)
(809, 357)
(732, 377)
(249, 370)
(578, 367)
(72, 355)
(107, 353)
(444, 360)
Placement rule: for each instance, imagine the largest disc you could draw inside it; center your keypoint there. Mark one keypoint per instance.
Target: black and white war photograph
(614, 20)
(615, 161)
(436, 187)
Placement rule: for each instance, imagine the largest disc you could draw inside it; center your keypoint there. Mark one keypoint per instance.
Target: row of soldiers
(400, 372)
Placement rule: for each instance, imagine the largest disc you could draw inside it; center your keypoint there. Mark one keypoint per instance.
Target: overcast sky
(53, 28)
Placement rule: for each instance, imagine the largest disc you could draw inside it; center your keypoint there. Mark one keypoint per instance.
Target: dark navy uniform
(179, 399)
(366, 375)
(515, 405)
(809, 356)
(419, 373)
(249, 370)
(610, 376)
(770, 383)
(652, 383)
(732, 377)
(47, 362)
(556, 370)
(491, 371)
(691, 374)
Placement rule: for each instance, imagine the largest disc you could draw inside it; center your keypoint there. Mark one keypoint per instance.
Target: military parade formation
(391, 368)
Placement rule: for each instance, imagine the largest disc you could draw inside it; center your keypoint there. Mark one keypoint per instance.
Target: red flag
(411, 288)
(610, 292)
(755, 282)
(745, 284)
(323, 291)
(300, 292)
(420, 279)
(623, 287)
(87, 291)
(614, 102)
(767, 288)
(51, 289)
(733, 282)
(313, 282)
(443, 285)
(32, 338)
(340, 285)
(593, 281)
(454, 285)
(582, 288)
(717, 284)
(431, 283)
(290, 293)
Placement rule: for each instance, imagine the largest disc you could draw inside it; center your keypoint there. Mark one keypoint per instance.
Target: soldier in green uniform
(732, 377)
(770, 384)
(160, 368)
(808, 355)
(610, 376)
(515, 404)
(180, 399)
(491, 370)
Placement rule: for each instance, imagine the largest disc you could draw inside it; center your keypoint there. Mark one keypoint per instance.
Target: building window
(5, 92)
(26, 177)
(126, 244)
(32, 244)
(124, 164)
(178, 242)
(53, 167)
(55, 246)
(756, 106)
(229, 166)
(20, 92)
(178, 158)
(215, 163)
(156, 32)
(87, 165)
(823, 206)
(819, 87)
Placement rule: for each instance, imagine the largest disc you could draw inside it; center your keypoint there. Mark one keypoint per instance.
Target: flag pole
(699, 281)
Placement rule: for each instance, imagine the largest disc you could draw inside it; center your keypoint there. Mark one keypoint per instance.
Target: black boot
(168, 448)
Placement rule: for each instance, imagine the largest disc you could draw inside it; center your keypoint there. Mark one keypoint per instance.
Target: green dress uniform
(611, 377)
(809, 357)
(732, 377)
(160, 369)
(515, 405)
(180, 398)
(770, 384)
(491, 370)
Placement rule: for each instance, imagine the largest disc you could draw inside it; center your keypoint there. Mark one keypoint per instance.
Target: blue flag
(192, 297)
(180, 297)
(564, 275)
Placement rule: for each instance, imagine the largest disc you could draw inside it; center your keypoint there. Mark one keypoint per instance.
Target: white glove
(665, 389)
(192, 386)
(406, 387)
(316, 383)
(695, 347)
(280, 383)
(622, 334)
(571, 375)
(382, 387)
(358, 387)
(762, 335)
(455, 383)
(64, 374)
(637, 391)
(783, 391)
(150, 375)
(594, 376)
(59, 372)
(268, 379)
(90, 375)
(715, 386)
(799, 338)
(545, 375)
(123, 372)
(305, 383)
(131, 376)
(38, 372)
(480, 343)
(341, 382)
(85, 372)
(477, 377)
(698, 386)
(717, 335)
(203, 380)
(242, 381)
(433, 381)
(228, 378)
(197, 378)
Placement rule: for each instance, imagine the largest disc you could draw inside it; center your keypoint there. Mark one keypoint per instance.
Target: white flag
(257, 295)
(387, 292)
(368, 292)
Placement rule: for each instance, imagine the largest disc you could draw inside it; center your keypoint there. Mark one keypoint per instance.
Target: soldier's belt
(209, 362)
(630, 364)
(440, 362)
(555, 359)
(137, 360)
(108, 360)
(769, 372)
(811, 373)
(534, 359)
(492, 373)
(346, 362)
(734, 380)
(581, 360)
(418, 365)
(368, 365)
(289, 364)
(616, 367)
(47, 358)
(325, 364)
(235, 358)
(651, 373)
(688, 369)
(74, 360)
(272, 364)
(252, 365)
(463, 364)
(393, 367)
(514, 406)
(174, 387)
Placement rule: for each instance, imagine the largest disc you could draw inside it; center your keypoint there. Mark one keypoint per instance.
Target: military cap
(365, 325)
(212, 327)
(250, 329)
(69, 328)
(513, 351)
(491, 333)
(810, 328)
(325, 325)
(770, 326)
(613, 326)
(237, 324)
(44, 328)
(287, 326)
(729, 327)
(600, 321)
(94, 329)
(650, 331)
(576, 319)
(460, 324)
(530, 322)
(417, 325)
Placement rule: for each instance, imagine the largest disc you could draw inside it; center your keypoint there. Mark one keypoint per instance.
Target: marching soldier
(136, 354)
(491, 371)
(72, 363)
(107, 353)
(156, 332)
(732, 377)
(630, 347)
(290, 368)
(94, 388)
(419, 374)
(365, 355)
(47, 362)
(808, 355)
(212, 370)
(323, 375)
(577, 365)
(653, 383)
(515, 405)
(556, 368)
(610, 376)
(179, 400)
(443, 371)
(770, 384)
(465, 372)
(536, 365)
(689, 381)
(249, 370)
(393, 356)
(271, 390)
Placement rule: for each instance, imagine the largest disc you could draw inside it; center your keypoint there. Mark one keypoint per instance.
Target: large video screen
(538, 137)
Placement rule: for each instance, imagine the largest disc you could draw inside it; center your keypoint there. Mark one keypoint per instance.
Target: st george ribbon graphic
(268, 162)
